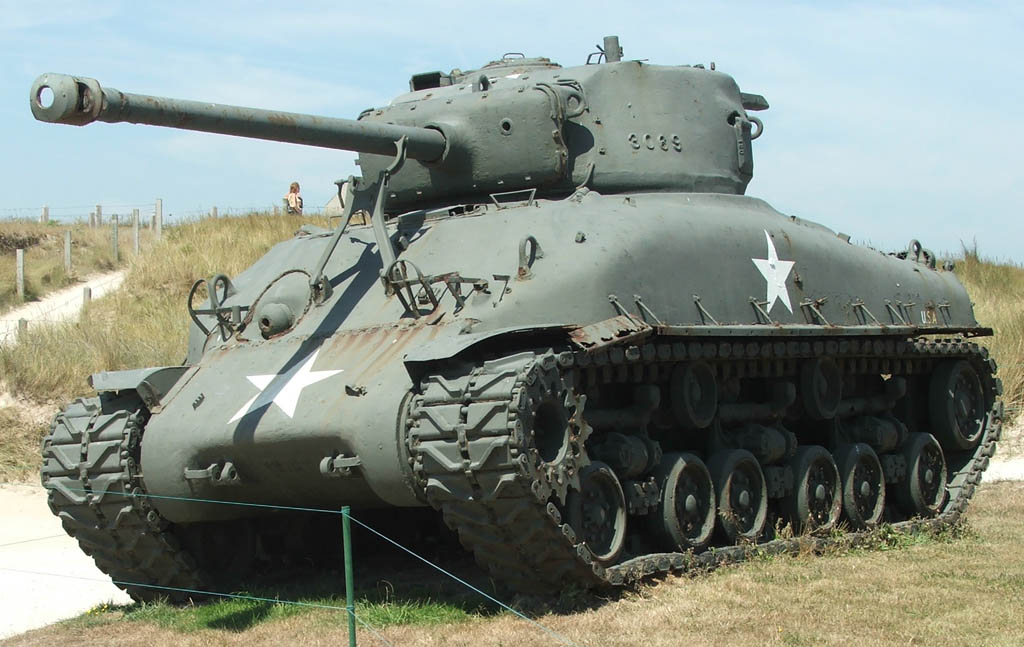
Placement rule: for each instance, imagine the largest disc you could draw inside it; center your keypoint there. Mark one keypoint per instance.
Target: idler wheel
(821, 388)
(816, 500)
(741, 493)
(694, 394)
(863, 485)
(685, 516)
(923, 491)
(957, 405)
(597, 512)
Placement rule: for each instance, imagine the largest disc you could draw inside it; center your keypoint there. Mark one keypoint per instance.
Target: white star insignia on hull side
(775, 272)
(286, 397)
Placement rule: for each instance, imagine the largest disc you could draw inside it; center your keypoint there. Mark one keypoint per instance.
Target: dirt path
(57, 306)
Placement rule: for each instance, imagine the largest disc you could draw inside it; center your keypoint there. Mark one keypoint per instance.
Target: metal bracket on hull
(339, 465)
(369, 199)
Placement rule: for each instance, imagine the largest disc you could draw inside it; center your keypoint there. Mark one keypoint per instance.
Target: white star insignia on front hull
(775, 272)
(288, 389)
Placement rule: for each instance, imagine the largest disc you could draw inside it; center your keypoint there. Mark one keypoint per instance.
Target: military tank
(565, 328)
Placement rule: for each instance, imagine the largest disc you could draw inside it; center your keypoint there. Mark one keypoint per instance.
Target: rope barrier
(29, 541)
(562, 639)
(463, 582)
(234, 596)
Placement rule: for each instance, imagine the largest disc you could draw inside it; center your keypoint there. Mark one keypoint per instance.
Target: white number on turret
(655, 141)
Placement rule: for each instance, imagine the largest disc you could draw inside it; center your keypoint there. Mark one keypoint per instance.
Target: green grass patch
(237, 614)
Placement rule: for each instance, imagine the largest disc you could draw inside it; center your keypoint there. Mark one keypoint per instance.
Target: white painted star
(775, 272)
(287, 389)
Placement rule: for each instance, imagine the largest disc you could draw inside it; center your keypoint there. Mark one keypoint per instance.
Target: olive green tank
(566, 329)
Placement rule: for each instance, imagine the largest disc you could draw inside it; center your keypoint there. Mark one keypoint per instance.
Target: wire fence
(82, 214)
(234, 596)
(562, 639)
(77, 213)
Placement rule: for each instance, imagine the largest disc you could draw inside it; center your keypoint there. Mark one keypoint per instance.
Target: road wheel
(685, 516)
(741, 493)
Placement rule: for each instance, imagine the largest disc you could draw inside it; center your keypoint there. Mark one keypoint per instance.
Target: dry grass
(145, 323)
(966, 589)
(91, 252)
(997, 291)
(21, 433)
(1011, 445)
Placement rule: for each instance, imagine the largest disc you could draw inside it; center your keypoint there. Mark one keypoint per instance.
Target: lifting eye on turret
(735, 116)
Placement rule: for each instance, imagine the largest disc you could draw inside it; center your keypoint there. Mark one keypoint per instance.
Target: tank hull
(335, 385)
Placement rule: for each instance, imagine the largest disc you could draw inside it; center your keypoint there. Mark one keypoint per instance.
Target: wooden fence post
(159, 218)
(92, 219)
(67, 252)
(135, 229)
(99, 216)
(214, 213)
(44, 217)
(19, 270)
(113, 224)
(86, 297)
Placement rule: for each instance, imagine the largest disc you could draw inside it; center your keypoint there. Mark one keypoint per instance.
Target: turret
(516, 124)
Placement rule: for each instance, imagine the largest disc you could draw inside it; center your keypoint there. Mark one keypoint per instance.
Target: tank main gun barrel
(59, 98)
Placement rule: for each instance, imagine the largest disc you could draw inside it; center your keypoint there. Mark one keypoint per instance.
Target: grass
(239, 615)
(146, 322)
(998, 294)
(91, 253)
(963, 587)
(21, 433)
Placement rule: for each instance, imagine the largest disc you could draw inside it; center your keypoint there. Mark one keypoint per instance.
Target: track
(503, 488)
(90, 468)
(499, 448)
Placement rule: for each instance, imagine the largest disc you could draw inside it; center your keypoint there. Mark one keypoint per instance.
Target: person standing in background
(293, 201)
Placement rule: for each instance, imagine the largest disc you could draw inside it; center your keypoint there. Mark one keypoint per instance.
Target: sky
(888, 121)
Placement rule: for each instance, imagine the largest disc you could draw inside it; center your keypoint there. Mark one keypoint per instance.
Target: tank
(566, 329)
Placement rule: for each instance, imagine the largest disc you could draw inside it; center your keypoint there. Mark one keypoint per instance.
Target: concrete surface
(31, 600)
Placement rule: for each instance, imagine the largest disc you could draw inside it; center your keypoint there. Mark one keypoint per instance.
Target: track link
(468, 430)
(90, 469)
